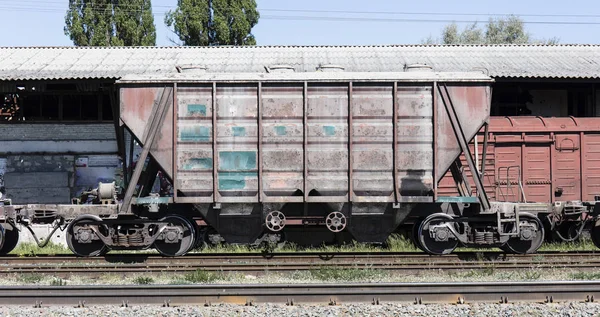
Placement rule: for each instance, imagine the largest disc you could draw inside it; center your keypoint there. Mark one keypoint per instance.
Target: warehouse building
(60, 106)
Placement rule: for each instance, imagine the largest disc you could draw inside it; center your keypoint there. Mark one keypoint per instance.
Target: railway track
(65, 266)
(418, 293)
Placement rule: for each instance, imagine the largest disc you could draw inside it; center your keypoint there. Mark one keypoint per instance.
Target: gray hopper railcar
(306, 157)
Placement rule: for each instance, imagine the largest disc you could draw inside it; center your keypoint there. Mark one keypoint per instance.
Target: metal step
(508, 218)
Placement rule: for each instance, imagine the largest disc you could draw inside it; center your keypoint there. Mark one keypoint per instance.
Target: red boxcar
(556, 159)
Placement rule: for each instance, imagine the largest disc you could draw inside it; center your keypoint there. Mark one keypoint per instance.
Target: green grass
(580, 245)
(585, 276)
(30, 278)
(491, 272)
(395, 243)
(31, 249)
(226, 248)
(202, 276)
(143, 280)
(532, 275)
(331, 274)
(398, 243)
(487, 271)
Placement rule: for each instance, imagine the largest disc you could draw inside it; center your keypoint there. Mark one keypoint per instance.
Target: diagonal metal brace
(156, 119)
(485, 146)
(464, 144)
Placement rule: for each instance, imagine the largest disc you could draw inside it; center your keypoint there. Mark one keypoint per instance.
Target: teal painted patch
(464, 200)
(237, 160)
(280, 130)
(194, 134)
(193, 109)
(234, 180)
(229, 184)
(238, 131)
(198, 163)
(329, 130)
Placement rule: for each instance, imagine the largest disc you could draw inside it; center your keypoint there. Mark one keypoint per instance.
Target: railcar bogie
(514, 232)
(90, 235)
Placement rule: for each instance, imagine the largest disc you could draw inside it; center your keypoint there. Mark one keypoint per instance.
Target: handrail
(509, 183)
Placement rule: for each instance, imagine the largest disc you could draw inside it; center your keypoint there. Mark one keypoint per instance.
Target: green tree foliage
(214, 22)
(510, 30)
(135, 23)
(110, 23)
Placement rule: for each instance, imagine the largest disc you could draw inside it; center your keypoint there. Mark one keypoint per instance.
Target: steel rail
(256, 264)
(249, 294)
(258, 270)
(300, 260)
(303, 256)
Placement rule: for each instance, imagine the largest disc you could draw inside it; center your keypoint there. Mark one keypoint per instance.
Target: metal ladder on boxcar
(509, 186)
(509, 190)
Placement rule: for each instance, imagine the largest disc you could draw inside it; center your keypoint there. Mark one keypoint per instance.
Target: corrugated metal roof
(524, 61)
(312, 76)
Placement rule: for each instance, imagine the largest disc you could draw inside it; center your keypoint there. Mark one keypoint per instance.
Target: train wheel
(596, 234)
(415, 234)
(2, 236)
(445, 243)
(11, 238)
(80, 236)
(530, 239)
(174, 243)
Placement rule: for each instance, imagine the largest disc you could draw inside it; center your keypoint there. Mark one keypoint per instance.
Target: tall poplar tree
(110, 23)
(214, 22)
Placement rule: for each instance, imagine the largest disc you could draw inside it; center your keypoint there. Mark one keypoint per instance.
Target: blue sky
(41, 22)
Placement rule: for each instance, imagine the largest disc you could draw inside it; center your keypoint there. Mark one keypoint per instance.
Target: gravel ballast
(224, 310)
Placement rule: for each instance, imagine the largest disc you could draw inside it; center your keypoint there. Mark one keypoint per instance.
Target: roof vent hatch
(418, 68)
(280, 68)
(330, 68)
(191, 69)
